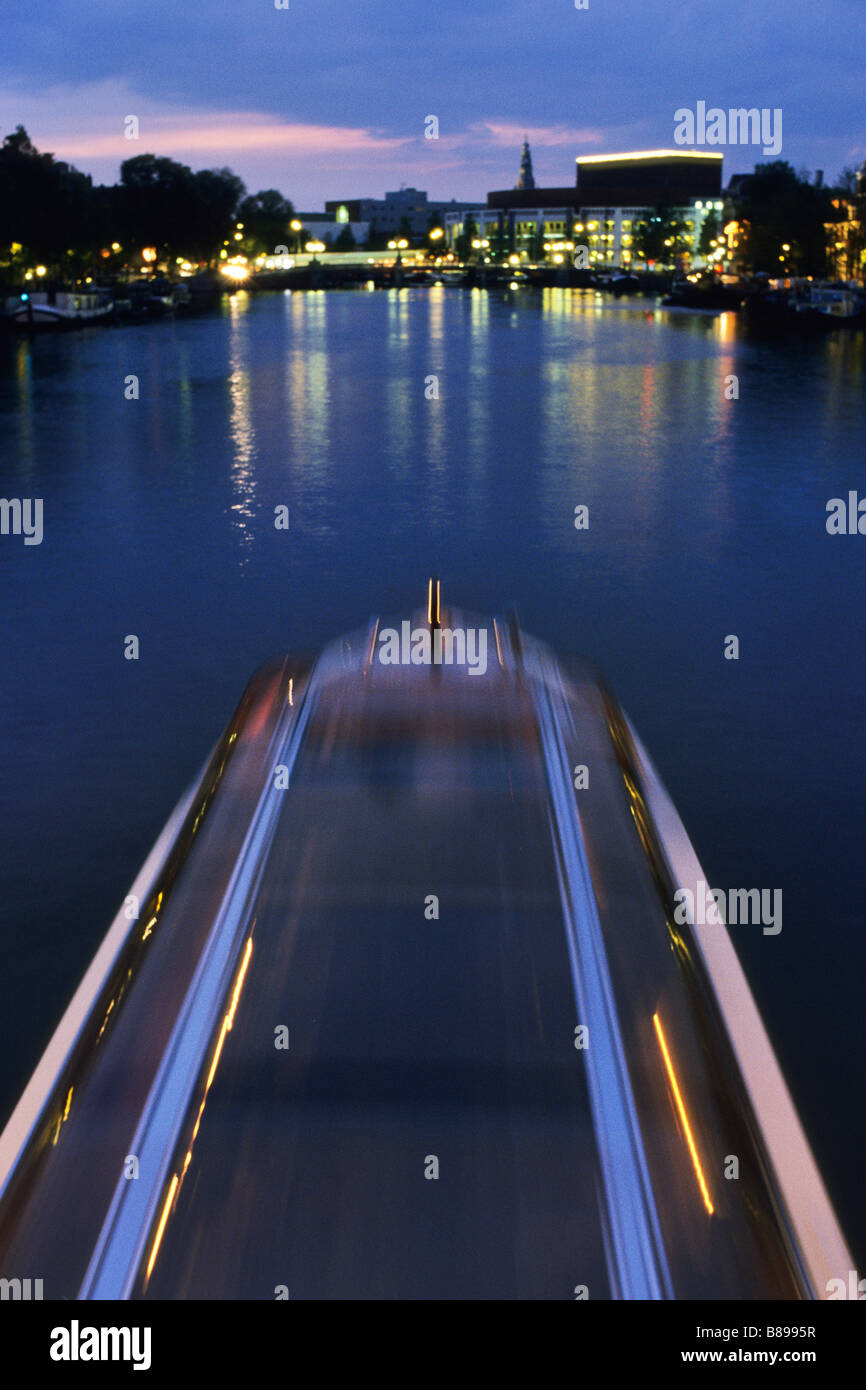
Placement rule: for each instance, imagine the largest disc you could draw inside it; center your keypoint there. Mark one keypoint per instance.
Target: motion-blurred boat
(402, 1005)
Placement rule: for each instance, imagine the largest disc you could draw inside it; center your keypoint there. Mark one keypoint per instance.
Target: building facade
(405, 211)
(611, 196)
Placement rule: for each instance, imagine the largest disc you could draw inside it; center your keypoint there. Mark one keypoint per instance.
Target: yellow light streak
(430, 614)
(496, 635)
(162, 1220)
(647, 154)
(240, 984)
(682, 1111)
(369, 657)
(105, 1021)
(226, 1025)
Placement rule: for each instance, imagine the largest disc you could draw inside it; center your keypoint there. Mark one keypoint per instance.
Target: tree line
(786, 224)
(53, 213)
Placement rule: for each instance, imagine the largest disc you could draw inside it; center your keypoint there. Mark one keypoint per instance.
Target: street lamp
(296, 227)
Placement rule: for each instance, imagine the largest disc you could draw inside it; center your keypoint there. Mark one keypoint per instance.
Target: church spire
(527, 178)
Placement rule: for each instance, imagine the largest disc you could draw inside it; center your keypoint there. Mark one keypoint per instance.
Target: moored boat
(44, 309)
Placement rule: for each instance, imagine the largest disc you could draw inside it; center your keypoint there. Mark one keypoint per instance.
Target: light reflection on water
(243, 477)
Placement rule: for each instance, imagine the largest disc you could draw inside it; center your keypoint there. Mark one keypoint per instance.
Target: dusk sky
(328, 98)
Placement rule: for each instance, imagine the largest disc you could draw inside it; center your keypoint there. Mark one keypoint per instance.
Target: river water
(706, 520)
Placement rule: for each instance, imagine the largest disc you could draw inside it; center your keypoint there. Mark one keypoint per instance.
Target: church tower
(527, 178)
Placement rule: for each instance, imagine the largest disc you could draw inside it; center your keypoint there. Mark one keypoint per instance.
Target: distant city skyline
(328, 99)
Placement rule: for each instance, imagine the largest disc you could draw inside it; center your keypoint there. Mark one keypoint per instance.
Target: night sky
(328, 98)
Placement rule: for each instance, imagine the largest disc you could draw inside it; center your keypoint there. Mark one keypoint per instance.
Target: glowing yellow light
(295, 225)
(148, 254)
(431, 604)
(239, 986)
(646, 154)
(105, 1020)
(436, 233)
(40, 270)
(162, 1220)
(682, 1112)
(233, 271)
(115, 246)
(239, 236)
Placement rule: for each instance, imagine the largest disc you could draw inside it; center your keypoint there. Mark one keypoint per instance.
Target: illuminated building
(611, 196)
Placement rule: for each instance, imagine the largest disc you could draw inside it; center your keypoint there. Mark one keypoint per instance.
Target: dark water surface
(707, 518)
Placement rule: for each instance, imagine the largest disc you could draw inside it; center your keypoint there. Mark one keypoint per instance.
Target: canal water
(457, 431)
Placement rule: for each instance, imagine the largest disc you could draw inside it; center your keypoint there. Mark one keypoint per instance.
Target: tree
(537, 249)
(346, 240)
(218, 194)
(45, 204)
(712, 226)
(661, 237)
(783, 208)
(463, 244)
(266, 217)
(164, 204)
